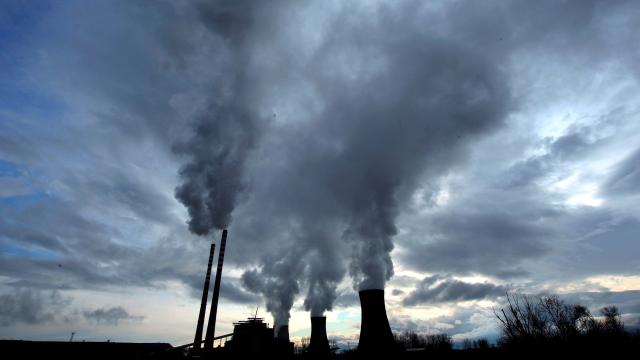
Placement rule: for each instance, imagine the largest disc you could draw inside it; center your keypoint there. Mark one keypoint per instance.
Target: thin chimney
(203, 305)
(211, 327)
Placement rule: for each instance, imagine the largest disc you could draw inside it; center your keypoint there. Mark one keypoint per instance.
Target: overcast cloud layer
(466, 147)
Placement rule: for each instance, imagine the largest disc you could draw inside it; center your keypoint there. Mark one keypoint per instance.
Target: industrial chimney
(211, 327)
(319, 344)
(203, 305)
(375, 333)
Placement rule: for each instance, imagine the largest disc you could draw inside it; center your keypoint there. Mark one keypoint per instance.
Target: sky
(446, 151)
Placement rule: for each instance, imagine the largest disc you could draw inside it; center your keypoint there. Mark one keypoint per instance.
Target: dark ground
(10, 349)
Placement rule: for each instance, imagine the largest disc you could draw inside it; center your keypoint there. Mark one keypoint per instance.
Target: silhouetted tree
(564, 321)
(523, 320)
(438, 342)
(480, 344)
(612, 322)
(411, 339)
(467, 344)
(526, 320)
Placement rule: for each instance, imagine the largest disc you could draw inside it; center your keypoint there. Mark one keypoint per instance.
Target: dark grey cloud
(32, 307)
(111, 315)
(438, 289)
(577, 143)
(68, 250)
(235, 293)
(481, 239)
(502, 222)
(609, 248)
(230, 289)
(628, 302)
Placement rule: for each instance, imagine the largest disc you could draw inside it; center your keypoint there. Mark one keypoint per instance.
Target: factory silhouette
(254, 337)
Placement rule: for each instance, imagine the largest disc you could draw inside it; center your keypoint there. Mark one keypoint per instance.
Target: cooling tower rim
(371, 291)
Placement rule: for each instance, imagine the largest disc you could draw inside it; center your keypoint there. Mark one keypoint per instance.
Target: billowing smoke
(368, 103)
(321, 295)
(324, 273)
(225, 130)
(278, 283)
(213, 177)
(406, 118)
(398, 105)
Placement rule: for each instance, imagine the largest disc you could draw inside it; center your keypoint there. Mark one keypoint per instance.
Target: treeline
(529, 325)
(547, 321)
(430, 342)
(408, 340)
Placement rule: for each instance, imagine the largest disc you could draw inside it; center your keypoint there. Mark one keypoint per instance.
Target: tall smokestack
(375, 333)
(211, 327)
(319, 344)
(203, 305)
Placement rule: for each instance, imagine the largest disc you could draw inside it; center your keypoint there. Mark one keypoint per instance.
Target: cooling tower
(375, 333)
(319, 344)
(211, 326)
(203, 305)
(283, 334)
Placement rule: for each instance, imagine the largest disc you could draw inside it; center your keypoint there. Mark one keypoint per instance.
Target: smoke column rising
(226, 129)
(398, 106)
(278, 283)
(371, 103)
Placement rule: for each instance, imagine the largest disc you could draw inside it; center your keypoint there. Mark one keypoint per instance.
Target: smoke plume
(324, 273)
(367, 110)
(213, 177)
(398, 106)
(225, 129)
(278, 283)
